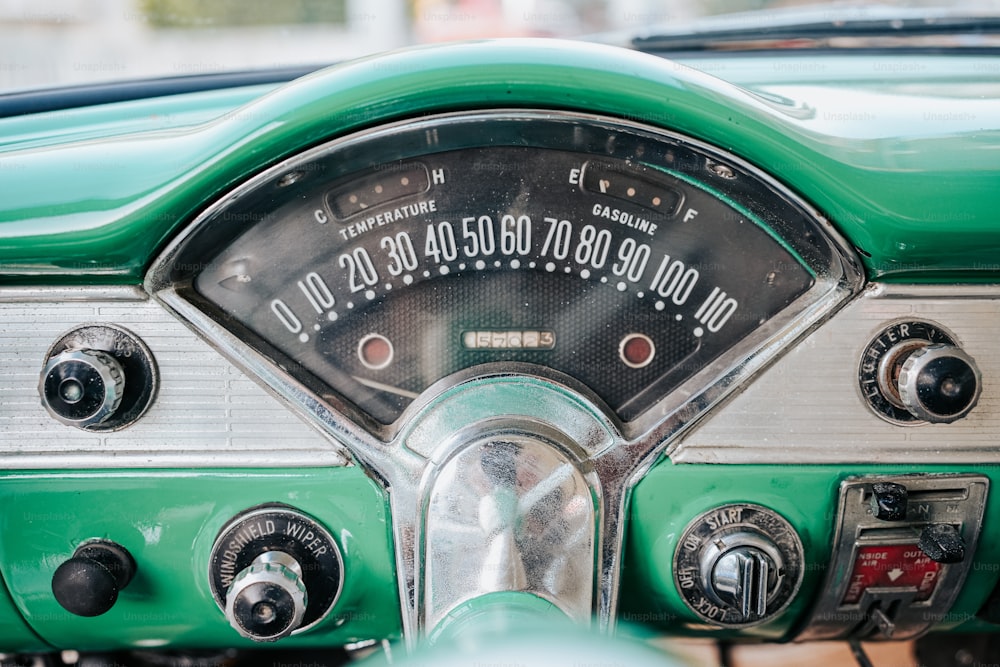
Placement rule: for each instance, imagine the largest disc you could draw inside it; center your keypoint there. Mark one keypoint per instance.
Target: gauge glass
(620, 259)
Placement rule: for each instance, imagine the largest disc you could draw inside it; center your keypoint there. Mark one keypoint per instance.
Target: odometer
(625, 259)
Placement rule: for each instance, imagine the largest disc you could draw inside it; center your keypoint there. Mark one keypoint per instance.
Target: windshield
(65, 42)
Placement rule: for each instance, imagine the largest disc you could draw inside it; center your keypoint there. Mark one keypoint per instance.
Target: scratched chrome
(509, 512)
(207, 412)
(808, 408)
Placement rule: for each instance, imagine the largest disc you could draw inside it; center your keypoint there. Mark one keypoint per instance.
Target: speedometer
(622, 259)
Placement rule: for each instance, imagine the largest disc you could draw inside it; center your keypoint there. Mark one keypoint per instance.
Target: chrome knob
(939, 383)
(740, 578)
(82, 388)
(742, 571)
(267, 600)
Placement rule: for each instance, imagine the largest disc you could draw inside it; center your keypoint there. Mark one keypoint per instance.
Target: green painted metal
(15, 635)
(918, 199)
(106, 121)
(168, 520)
(671, 496)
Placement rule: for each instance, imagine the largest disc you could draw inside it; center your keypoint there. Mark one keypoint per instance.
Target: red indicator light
(636, 350)
(375, 351)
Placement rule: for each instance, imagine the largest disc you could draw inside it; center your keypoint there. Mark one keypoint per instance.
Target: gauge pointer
(386, 387)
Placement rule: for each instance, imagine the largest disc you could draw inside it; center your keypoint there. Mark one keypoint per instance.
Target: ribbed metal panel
(207, 412)
(808, 407)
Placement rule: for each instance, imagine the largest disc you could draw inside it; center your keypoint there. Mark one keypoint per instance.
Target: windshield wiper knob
(267, 600)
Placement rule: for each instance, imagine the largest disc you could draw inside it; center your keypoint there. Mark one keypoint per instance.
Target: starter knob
(267, 600)
(743, 579)
(939, 383)
(742, 571)
(82, 388)
(738, 565)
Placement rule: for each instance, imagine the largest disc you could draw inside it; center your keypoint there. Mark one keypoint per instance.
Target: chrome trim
(959, 500)
(221, 594)
(822, 371)
(73, 294)
(207, 413)
(704, 542)
(400, 463)
(507, 507)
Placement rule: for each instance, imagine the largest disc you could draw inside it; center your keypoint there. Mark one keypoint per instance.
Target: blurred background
(54, 42)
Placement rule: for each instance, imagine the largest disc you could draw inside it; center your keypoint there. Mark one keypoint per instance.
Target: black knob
(268, 600)
(888, 501)
(939, 383)
(942, 543)
(88, 583)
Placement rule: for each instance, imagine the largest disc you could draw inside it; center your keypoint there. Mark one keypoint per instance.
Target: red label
(892, 566)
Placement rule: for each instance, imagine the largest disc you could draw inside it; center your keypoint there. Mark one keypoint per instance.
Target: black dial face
(623, 259)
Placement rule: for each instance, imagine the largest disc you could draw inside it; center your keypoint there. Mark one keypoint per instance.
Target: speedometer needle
(386, 387)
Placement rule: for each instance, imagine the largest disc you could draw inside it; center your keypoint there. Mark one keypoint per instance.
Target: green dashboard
(702, 347)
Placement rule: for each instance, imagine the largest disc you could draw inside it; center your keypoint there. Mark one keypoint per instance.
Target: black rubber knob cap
(889, 501)
(942, 543)
(88, 583)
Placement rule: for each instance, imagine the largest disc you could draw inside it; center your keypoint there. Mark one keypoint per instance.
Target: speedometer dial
(622, 259)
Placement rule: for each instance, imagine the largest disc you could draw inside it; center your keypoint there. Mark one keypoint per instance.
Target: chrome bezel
(635, 446)
(220, 597)
(788, 544)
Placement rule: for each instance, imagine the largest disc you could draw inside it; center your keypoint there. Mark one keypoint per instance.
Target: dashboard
(544, 329)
